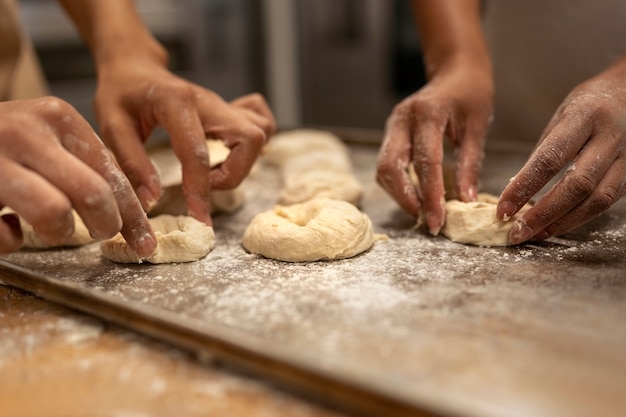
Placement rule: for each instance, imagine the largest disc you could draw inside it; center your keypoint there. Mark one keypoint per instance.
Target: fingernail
(434, 225)
(147, 198)
(507, 208)
(145, 245)
(472, 193)
(520, 232)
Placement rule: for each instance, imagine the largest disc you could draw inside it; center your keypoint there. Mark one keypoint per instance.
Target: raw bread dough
(319, 229)
(475, 223)
(33, 240)
(313, 163)
(179, 239)
(171, 176)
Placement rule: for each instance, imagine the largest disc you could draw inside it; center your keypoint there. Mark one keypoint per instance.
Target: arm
(136, 92)
(588, 134)
(456, 102)
(46, 171)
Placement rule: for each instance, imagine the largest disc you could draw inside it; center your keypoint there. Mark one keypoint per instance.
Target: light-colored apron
(21, 76)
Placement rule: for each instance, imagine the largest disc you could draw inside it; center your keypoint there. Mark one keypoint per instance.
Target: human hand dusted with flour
(588, 134)
(457, 102)
(51, 161)
(136, 92)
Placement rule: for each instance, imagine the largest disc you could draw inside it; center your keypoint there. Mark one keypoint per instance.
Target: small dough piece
(171, 176)
(33, 240)
(179, 239)
(337, 185)
(475, 222)
(319, 229)
(313, 163)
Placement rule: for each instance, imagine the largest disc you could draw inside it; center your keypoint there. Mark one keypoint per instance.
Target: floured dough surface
(179, 239)
(475, 222)
(319, 229)
(313, 163)
(171, 176)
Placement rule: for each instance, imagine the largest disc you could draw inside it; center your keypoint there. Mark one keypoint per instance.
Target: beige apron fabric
(541, 50)
(20, 73)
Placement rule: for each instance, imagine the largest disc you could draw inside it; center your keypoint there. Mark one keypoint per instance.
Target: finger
(135, 226)
(257, 103)
(180, 119)
(428, 163)
(608, 192)
(576, 185)
(550, 157)
(392, 167)
(245, 146)
(37, 201)
(469, 159)
(10, 233)
(124, 140)
(244, 139)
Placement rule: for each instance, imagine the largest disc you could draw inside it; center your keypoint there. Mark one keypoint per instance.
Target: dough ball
(313, 163)
(222, 201)
(475, 223)
(319, 229)
(314, 184)
(169, 167)
(301, 142)
(33, 240)
(171, 176)
(179, 239)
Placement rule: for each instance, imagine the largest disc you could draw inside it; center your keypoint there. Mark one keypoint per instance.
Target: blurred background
(341, 63)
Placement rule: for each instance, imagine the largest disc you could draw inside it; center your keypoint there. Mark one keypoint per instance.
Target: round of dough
(301, 142)
(313, 163)
(475, 222)
(319, 229)
(338, 185)
(179, 239)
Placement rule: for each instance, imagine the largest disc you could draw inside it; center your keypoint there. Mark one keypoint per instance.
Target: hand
(135, 97)
(52, 161)
(457, 103)
(588, 134)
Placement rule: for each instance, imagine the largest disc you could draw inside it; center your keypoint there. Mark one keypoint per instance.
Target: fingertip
(146, 245)
(468, 194)
(148, 197)
(505, 210)
(520, 232)
(200, 209)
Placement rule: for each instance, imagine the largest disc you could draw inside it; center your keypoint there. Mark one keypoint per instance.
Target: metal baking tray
(417, 325)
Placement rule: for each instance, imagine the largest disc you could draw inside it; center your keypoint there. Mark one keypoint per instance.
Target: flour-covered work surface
(419, 323)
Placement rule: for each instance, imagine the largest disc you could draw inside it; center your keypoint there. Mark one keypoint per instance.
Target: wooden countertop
(57, 362)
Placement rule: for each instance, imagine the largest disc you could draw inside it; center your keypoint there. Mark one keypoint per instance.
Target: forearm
(451, 33)
(114, 31)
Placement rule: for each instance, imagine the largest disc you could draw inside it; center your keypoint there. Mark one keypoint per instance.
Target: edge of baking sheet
(210, 341)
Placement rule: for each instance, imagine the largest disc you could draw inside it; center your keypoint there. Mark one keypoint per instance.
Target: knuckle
(54, 212)
(580, 185)
(605, 198)
(254, 135)
(548, 162)
(98, 200)
(54, 106)
(186, 95)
